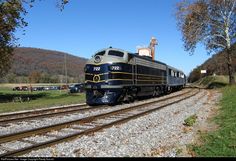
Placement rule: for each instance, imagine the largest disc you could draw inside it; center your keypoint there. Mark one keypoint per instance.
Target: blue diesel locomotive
(114, 75)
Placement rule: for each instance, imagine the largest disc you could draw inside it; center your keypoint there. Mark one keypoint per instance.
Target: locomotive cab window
(170, 72)
(116, 53)
(100, 53)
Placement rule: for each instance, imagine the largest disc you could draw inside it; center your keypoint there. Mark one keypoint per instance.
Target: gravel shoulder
(159, 134)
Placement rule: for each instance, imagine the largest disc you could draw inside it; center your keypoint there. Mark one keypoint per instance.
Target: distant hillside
(44, 66)
(217, 64)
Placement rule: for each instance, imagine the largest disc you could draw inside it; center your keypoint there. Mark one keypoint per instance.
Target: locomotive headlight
(97, 59)
(96, 78)
(115, 68)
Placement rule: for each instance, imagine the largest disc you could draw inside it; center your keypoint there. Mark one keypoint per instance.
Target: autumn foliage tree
(12, 17)
(210, 22)
(34, 77)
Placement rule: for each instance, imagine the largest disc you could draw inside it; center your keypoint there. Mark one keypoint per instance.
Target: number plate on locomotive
(96, 68)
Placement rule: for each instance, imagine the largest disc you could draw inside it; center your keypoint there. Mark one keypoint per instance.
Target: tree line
(216, 65)
(39, 77)
(209, 22)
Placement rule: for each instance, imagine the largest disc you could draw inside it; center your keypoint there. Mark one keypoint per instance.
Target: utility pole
(65, 63)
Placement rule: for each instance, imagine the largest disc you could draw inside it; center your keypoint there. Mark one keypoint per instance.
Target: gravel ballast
(159, 134)
(40, 122)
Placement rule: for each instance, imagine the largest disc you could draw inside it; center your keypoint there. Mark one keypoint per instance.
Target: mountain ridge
(28, 61)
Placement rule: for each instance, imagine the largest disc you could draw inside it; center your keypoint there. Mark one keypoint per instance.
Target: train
(113, 76)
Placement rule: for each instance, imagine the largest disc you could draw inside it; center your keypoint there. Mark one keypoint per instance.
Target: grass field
(9, 101)
(223, 141)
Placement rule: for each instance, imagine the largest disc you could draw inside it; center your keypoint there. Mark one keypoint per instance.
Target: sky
(86, 26)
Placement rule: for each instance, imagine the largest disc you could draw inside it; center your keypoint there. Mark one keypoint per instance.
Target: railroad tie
(96, 123)
(6, 148)
(80, 127)
(52, 135)
(28, 141)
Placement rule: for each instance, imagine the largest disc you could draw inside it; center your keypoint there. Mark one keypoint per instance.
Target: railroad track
(21, 116)
(70, 130)
(45, 113)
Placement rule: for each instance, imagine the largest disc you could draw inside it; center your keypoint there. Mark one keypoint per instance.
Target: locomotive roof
(146, 58)
(132, 54)
(170, 67)
(111, 48)
(136, 55)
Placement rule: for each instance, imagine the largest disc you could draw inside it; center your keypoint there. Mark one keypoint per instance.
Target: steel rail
(26, 133)
(44, 113)
(2, 116)
(94, 129)
(54, 112)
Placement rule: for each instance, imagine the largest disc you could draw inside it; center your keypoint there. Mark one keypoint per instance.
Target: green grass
(210, 82)
(223, 141)
(190, 120)
(213, 81)
(38, 99)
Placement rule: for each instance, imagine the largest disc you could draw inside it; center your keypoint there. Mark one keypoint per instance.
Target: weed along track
(20, 143)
